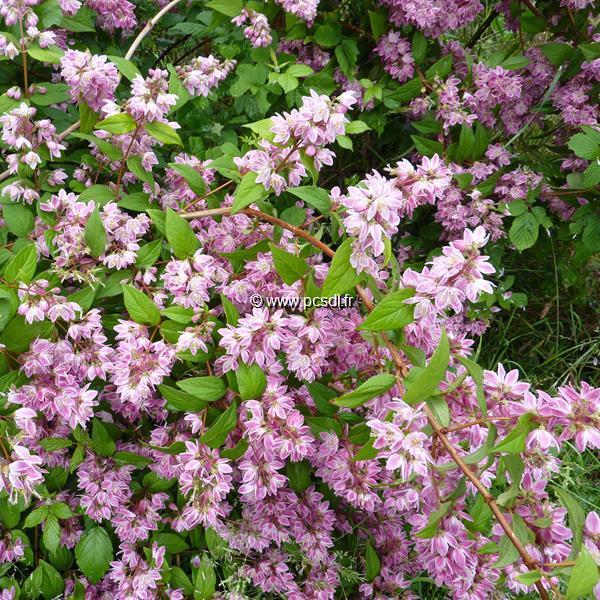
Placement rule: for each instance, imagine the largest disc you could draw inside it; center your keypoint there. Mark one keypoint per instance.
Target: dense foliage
(249, 255)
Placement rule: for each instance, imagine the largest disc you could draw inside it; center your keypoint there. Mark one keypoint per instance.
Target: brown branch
(534, 9)
(402, 367)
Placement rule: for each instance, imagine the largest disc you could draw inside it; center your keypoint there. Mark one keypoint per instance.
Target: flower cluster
(184, 412)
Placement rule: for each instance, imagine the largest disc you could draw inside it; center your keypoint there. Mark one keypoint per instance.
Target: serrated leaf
(524, 231)
(180, 400)
(584, 576)
(93, 553)
(218, 432)
(427, 380)
(18, 219)
(314, 196)
(22, 266)
(251, 381)
(163, 133)
(117, 124)
(140, 308)
(514, 442)
(180, 235)
(391, 313)
(51, 533)
(373, 387)
(191, 176)
(341, 276)
(288, 266)
(247, 192)
(205, 388)
(126, 67)
(102, 443)
(95, 234)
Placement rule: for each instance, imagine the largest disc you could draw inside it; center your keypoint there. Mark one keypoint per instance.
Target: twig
(534, 9)
(24, 58)
(402, 367)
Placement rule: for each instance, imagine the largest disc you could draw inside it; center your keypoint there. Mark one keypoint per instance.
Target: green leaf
(237, 451)
(524, 231)
(140, 308)
(584, 576)
(148, 254)
(218, 433)
(36, 516)
(191, 176)
(229, 8)
(378, 23)
(591, 176)
(134, 164)
(95, 234)
(517, 207)
(373, 387)
(52, 54)
(576, 516)
(18, 334)
(136, 202)
(126, 67)
(299, 475)
(173, 542)
(557, 53)
(347, 55)
(163, 133)
(514, 442)
(341, 276)
(513, 63)
(288, 266)
(328, 35)
(372, 563)
(48, 580)
(427, 147)
(419, 46)
(117, 124)
(247, 192)
(55, 93)
(391, 312)
(357, 127)
(180, 235)
(51, 533)
(319, 425)
(22, 266)
(180, 581)
(584, 146)
(206, 388)
(438, 405)
(427, 380)
(465, 144)
(299, 70)
(102, 443)
(322, 395)
(530, 577)
(181, 400)
(53, 444)
(131, 458)
(93, 553)
(251, 381)
(18, 218)
(435, 517)
(313, 196)
(100, 194)
(440, 69)
(206, 580)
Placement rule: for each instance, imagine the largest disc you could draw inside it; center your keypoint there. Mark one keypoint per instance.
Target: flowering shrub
(174, 425)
